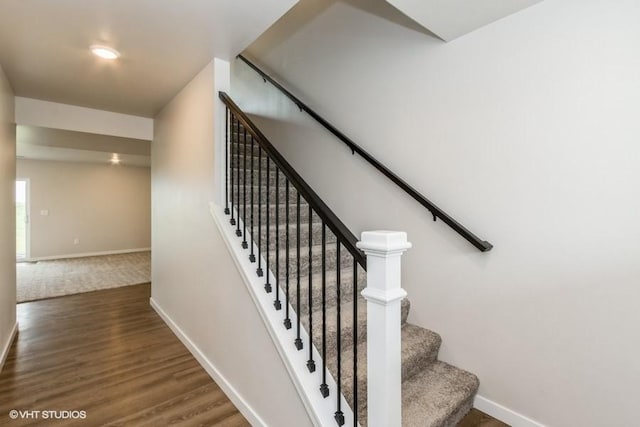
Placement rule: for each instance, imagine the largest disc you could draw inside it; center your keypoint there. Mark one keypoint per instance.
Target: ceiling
(453, 18)
(44, 47)
(39, 143)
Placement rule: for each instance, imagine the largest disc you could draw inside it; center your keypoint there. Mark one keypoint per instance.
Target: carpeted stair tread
(258, 177)
(346, 259)
(260, 210)
(238, 162)
(260, 195)
(438, 396)
(316, 233)
(346, 324)
(420, 348)
(346, 289)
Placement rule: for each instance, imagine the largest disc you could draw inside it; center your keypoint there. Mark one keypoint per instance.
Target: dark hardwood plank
(476, 418)
(109, 354)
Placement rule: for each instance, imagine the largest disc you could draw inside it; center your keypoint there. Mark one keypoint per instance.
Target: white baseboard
(504, 414)
(243, 406)
(7, 346)
(320, 410)
(86, 254)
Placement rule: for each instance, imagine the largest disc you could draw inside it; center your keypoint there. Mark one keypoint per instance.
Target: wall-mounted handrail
(482, 245)
(342, 233)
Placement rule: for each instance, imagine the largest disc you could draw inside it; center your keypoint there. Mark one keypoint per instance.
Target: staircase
(319, 279)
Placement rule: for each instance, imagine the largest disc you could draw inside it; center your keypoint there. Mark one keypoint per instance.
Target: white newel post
(384, 294)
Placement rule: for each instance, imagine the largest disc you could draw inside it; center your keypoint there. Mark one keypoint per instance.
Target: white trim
(7, 346)
(503, 413)
(228, 389)
(320, 410)
(86, 254)
(27, 207)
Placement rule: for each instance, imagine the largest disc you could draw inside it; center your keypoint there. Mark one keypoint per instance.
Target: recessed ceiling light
(104, 52)
(115, 159)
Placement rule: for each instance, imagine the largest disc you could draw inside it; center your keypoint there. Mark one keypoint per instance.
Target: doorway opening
(22, 219)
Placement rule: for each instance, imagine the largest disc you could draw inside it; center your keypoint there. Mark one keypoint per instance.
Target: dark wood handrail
(342, 233)
(482, 245)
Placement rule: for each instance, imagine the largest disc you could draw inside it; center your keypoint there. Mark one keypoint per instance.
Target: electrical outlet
(76, 241)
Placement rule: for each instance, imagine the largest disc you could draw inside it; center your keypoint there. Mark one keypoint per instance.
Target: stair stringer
(321, 410)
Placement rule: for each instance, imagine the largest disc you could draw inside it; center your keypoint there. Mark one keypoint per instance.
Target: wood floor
(107, 353)
(476, 418)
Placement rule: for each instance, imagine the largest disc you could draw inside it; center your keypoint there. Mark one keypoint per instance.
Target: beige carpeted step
(420, 348)
(316, 234)
(346, 260)
(258, 175)
(346, 289)
(438, 396)
(239, 147)
(239, 162)
(260, 195)
(346, 324)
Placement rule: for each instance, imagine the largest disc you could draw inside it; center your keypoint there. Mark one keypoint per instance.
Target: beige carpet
(46, 279)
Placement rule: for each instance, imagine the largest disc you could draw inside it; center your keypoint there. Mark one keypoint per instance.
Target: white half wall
(36, 112)
(527, 132)
(7, 217)
(194, 278)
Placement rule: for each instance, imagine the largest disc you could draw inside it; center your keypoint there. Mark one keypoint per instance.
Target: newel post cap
(383, 242)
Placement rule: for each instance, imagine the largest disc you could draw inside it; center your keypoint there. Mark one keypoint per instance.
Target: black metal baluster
(245, 245)
(339, 415)
(252, 256)
(298, 340)
(324, 388)
(311, 364)
(232, 221)
(259, 271)
(277, 304)
(267, 285)
(238, 232)
(287, 320)
(355, 343)
(227, 164)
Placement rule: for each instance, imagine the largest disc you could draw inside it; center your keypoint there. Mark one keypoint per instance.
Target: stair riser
(316, 235)
(260, 194)
(292, 248)
(261, 210)
(412, 362)
(236, 162)
(280, 228)
(258, 177)
(304, 245)
(346, 292)
(346, 261)
(254, 150)
(347, 327)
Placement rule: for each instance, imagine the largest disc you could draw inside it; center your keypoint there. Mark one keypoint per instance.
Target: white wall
(7, 216)
(194, 279)
(527, 132)
(36, 112)
(106, 207)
